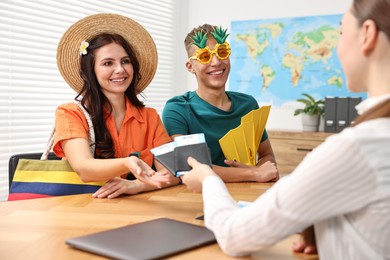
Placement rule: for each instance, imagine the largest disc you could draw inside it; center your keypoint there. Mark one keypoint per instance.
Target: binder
(342, 109)
(330, 114)
(352, 113)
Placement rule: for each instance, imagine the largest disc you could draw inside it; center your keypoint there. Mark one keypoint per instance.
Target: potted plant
(311, 112)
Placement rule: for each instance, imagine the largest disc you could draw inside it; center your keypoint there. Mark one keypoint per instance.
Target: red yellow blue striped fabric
(44, 178)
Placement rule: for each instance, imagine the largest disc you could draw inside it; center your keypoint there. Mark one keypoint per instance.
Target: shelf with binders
(340, 112)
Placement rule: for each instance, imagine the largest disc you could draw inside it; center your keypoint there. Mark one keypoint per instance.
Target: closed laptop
(153, 239)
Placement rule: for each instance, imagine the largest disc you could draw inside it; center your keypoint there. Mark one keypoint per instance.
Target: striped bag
(46, 178)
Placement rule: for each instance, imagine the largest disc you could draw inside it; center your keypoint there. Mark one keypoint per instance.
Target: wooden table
(37, 229)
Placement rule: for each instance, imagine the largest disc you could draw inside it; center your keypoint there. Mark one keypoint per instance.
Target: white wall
(222, 12)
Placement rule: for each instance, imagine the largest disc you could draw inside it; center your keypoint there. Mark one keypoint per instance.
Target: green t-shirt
(190, 114)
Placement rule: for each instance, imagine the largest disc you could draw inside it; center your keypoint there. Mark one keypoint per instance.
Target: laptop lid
(147, 240)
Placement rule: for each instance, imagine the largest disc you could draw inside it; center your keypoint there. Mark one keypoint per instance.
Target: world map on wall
(276, 60)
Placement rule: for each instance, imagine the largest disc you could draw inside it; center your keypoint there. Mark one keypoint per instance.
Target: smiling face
(212, 75)
(113, 69)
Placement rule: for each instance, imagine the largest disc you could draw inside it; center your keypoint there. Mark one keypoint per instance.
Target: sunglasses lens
(223, 51)
(204, 56)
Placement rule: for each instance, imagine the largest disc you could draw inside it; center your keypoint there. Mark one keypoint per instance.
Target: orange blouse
(141, 130)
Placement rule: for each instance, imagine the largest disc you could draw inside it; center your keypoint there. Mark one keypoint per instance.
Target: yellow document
(242, 143)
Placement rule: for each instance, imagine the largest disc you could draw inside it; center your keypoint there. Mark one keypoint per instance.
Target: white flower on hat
(83, 48)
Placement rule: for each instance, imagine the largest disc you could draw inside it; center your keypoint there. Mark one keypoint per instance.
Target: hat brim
(68, 50)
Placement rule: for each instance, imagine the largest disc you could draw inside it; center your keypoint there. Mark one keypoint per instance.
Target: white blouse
(342, 187)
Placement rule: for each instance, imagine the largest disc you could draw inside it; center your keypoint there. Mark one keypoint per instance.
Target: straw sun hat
(68, 51)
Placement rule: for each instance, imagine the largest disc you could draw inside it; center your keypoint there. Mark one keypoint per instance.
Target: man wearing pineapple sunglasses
(214, 111)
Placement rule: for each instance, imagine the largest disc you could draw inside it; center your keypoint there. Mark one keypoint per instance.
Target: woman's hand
(143, 172)
(306, 243)
(194, 178)
(117, 186)
(164, 176)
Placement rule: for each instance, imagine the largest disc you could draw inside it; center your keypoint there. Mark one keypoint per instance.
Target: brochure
(242, 143)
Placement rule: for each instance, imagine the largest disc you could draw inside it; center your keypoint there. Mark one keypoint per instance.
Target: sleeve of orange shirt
(70, 123)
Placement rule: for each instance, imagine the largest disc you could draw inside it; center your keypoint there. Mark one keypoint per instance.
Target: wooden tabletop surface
(38, 228)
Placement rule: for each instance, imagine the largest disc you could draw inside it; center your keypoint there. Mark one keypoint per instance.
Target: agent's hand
(194, 178)
(262, 173)
(143, 172)
(117, 186)
(306, 243)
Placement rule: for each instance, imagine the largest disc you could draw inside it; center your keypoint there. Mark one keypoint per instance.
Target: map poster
(276, 60)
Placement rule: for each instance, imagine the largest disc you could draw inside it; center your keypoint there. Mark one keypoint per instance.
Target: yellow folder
(242, 143)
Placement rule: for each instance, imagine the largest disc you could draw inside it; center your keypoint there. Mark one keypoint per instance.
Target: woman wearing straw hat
(108, 60)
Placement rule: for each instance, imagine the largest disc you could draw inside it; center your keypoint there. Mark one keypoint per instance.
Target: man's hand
(263, 173)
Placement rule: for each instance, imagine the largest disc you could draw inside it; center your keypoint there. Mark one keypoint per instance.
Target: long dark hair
(93, 99)
(378, 11)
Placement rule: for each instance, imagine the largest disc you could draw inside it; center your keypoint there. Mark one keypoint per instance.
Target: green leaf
(311, 99)
(219, 34)
(304, 101)
(200, 39)
(312, 106)
(298, 111)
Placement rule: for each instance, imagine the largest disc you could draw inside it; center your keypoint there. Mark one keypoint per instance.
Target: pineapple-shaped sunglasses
(204, 54)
